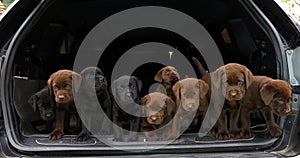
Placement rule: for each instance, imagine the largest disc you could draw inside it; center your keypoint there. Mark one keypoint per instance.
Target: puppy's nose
(128, 94)
(154, 118)
(49, 115)
(233, 93)
(190, 106)
(61, 97)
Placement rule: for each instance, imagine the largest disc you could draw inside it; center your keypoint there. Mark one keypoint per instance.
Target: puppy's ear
(138, 82)
(49, 83)
(267, 93)
(144, 100)
(143, 103)
(33, 102)
(76, 81)
(176, 91)
(218, 77)
(158, 76)
(248, 77)
(114, 88)
(203, 86)
(171, 106)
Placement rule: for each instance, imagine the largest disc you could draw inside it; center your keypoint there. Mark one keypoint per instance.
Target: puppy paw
(224, 135)
(118, 139)
(83, 136)
(275, 131)
(151, 136)
(56, 134)
(105, 131)
(236, 134)
(132, 137)
(246, 134)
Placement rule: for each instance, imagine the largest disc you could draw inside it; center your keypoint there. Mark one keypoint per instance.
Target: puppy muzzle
(155, 120)
(190, 107)
(49, 116)
(233, 95)
(282, 112)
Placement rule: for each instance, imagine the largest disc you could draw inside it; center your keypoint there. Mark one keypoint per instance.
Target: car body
(38, 38)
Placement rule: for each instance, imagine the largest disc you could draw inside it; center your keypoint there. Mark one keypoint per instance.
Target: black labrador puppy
(94, 103)
(126, 110)
(42, 101)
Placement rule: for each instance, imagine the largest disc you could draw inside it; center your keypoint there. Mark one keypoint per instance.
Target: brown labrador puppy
(191, 102)
(159, 110)
(232, 80)
(267, 96)
(167, 76)
(60, 85)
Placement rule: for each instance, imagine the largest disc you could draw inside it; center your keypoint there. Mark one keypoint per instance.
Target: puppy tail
(199, 66)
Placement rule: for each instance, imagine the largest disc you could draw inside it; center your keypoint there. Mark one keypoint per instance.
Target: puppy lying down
(269, 96)
(158, 110)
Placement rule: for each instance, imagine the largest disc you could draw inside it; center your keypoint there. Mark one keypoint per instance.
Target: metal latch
(2, 58)
(293, 80)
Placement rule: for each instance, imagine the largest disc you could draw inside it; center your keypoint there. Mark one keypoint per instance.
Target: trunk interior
(53, 41)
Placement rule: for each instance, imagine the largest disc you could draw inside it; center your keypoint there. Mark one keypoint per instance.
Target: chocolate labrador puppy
(93, 93)
(60, 85)
(232, 80)
(191, 102)
(126, 111)
(167, 76)
(158, 110)
(268, 96)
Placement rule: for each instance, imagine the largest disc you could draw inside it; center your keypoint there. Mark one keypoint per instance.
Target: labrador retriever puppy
(232, 80)
(159, 110)
(191, 102)
(60, 85)
(94, 91)
(167, 76)
(42, 101)
(126, 110)
(268, 96)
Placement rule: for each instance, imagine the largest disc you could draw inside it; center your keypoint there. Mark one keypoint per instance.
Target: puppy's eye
(132, 86)
(68, 86)
(55, 88)
(240, 82)
(280, 102)
(122, 87)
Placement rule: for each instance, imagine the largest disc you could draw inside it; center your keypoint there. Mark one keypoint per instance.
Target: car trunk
(54, 38)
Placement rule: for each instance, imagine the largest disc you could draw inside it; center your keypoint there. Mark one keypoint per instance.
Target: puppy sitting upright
(158, 110)
(191, 102)
(93, 91)
(60, 85)
(42, 101)
(167, 76)
(231, 80)
(126, 111)
(267, 96)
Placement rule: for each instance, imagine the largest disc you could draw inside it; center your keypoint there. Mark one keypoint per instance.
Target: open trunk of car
(57, 35)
